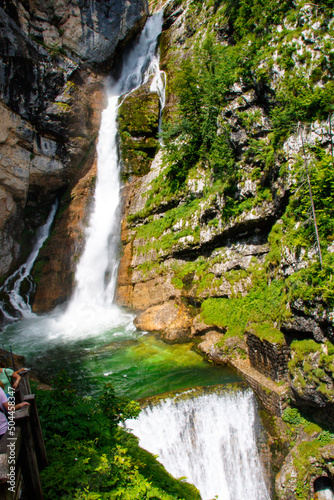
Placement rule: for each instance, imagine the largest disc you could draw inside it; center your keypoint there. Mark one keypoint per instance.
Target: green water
(137, 364)
(147, 366)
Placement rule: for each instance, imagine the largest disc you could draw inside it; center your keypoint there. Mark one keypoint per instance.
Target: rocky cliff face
(217, 236)
(199, 239)
(178, 245)
(53, 58)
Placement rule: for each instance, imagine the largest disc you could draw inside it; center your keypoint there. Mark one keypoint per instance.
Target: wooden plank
(24, 386)
(30, 471)
(37, 432)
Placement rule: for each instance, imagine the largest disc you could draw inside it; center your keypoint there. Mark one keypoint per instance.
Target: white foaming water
(12, 284)
(91, 310)
(158, 85)
(210, 440)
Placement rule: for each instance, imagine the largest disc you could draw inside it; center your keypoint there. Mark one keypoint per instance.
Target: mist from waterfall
(209, 439)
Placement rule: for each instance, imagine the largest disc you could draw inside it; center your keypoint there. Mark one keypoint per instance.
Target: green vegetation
(262, 304)
(299, 100)
(308, 455)
(197, 133)
(292, 417)
(265, 331)
(201, 83)
(92, 457)
(312, 365)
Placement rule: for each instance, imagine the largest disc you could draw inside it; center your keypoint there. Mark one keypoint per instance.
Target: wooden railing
(22, 450)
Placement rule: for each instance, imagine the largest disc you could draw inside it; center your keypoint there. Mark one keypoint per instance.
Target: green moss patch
(265, 331)
(261, 304)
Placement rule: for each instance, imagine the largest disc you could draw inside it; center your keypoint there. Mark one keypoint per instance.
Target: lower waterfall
(209, 439)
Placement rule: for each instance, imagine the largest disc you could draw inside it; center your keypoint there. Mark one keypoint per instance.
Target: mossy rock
(265, 331)
(311, 370)
(138, 126)
(307, 461)
(37, 269)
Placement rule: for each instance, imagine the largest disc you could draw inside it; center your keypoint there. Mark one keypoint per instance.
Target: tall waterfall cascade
(208, 439)
(91, 306)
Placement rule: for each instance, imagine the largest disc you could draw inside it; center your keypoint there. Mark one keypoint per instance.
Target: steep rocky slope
(53, 58)
(198, 234)
(219, 239)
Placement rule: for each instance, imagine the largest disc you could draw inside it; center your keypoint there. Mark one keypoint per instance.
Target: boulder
(170, 319)
(311, 378)
(299, 326)
(307, 461)
(208, 347)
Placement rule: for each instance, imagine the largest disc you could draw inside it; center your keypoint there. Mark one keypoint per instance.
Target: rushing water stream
(210, 439)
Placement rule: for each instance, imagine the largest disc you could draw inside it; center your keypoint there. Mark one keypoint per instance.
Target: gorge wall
(54, 58)
(219, 242)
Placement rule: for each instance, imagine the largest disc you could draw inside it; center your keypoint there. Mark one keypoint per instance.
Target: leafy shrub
(201, 84)
(91, 457)
(292, 416)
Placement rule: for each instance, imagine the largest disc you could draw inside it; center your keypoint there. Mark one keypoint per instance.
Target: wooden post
(24, 386)
(30, 472)
(37, 432)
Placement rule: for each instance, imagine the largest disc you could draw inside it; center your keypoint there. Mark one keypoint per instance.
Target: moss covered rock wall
(221, 228)
(138, 130)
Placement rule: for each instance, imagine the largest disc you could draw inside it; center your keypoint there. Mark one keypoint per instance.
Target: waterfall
(158, 85)
(91, 309)
(210, 440)
(97, 270)
(18, 303)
